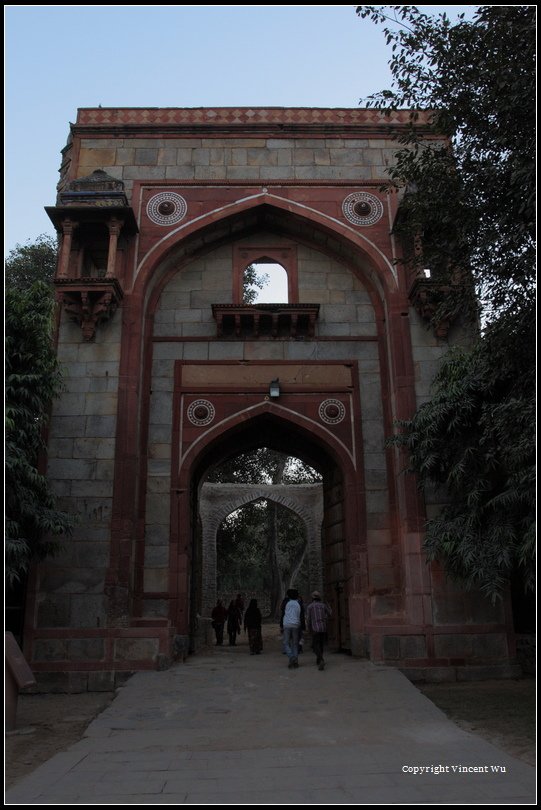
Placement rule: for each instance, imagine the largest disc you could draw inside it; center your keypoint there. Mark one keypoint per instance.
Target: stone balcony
(296, 321)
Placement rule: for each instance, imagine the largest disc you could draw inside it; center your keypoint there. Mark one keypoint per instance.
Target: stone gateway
(168, 372)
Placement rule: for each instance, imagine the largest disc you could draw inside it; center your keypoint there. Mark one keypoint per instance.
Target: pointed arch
(217, 501)
(289, 433)
(377, 267)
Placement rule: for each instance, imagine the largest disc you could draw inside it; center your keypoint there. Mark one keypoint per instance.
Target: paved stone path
(230, 728)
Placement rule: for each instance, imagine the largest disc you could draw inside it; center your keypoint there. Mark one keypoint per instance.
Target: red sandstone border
(220, 116)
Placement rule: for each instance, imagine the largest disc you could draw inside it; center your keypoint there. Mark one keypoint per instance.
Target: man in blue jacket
(290, 625)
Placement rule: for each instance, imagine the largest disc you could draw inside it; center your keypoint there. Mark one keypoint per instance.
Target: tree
(476, 200)
(32, 381)
(474, 442)
(252, 281)
(34, 261)
(468, 188)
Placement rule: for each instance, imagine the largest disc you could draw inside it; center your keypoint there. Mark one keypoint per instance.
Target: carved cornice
(93, 211)
(266, 320)
(276, 121)
(218, 116)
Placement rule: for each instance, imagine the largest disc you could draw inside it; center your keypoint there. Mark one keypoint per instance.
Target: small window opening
(265, 283)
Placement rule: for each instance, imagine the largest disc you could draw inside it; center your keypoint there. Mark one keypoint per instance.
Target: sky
(59, 58)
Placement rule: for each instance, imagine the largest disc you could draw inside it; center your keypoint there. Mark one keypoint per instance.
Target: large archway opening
(339, 522)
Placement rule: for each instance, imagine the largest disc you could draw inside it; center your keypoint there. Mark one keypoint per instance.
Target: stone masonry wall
(80, 468)
(189, 158)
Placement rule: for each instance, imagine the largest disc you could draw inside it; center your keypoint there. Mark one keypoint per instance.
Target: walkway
(230, 728)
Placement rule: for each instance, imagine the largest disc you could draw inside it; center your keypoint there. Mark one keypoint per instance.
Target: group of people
(294, 621)
(233, 617)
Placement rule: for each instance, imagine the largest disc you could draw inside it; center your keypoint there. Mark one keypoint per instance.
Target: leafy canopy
(474, 443)
(34, 261)
(32, 380)
(476, 202)
(468, 185)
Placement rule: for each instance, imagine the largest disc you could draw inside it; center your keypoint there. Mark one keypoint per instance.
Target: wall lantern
(274, 389)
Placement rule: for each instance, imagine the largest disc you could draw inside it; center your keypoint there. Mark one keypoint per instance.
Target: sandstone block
(135, 649)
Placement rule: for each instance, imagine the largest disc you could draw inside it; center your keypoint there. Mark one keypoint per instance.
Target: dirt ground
(502, 712)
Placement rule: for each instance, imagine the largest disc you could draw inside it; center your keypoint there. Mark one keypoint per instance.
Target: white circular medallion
(201, 412)
(332, 411)
(362, 208)
(166, 208)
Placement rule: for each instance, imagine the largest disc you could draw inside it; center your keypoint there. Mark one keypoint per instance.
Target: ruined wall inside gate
(200, 190)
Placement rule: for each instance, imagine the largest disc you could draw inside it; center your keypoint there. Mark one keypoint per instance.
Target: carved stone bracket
(89, 301)
(435, 303)
(266, 320)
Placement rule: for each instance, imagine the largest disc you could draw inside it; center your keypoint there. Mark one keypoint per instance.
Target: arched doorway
(342, 533)
(208, 368)
(218, 501)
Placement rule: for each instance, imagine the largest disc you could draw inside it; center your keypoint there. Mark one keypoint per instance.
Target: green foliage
(35, 261)
(474, 441)
(32, 381)
(263, 466)
(243, 549)
(475, 203)
(252, 281)
(468, 185)
(241, 544)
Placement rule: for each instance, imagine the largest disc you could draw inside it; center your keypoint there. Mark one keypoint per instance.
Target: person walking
(219, 615)
(317, 614)
(252, 625)
(290, 624)
(233, 623)
(302, 628)
(239, 602)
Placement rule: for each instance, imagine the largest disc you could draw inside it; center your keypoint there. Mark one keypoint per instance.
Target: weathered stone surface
(72, 469)
(49, 650)
(155, 608)
(94, 448)
(93, 158)
(157, 556)
(91, 649)
(413, 647)
(144, 172)
(135, 649)
(53, 612)
(100, 426)
(87, 610)
(156, 580)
